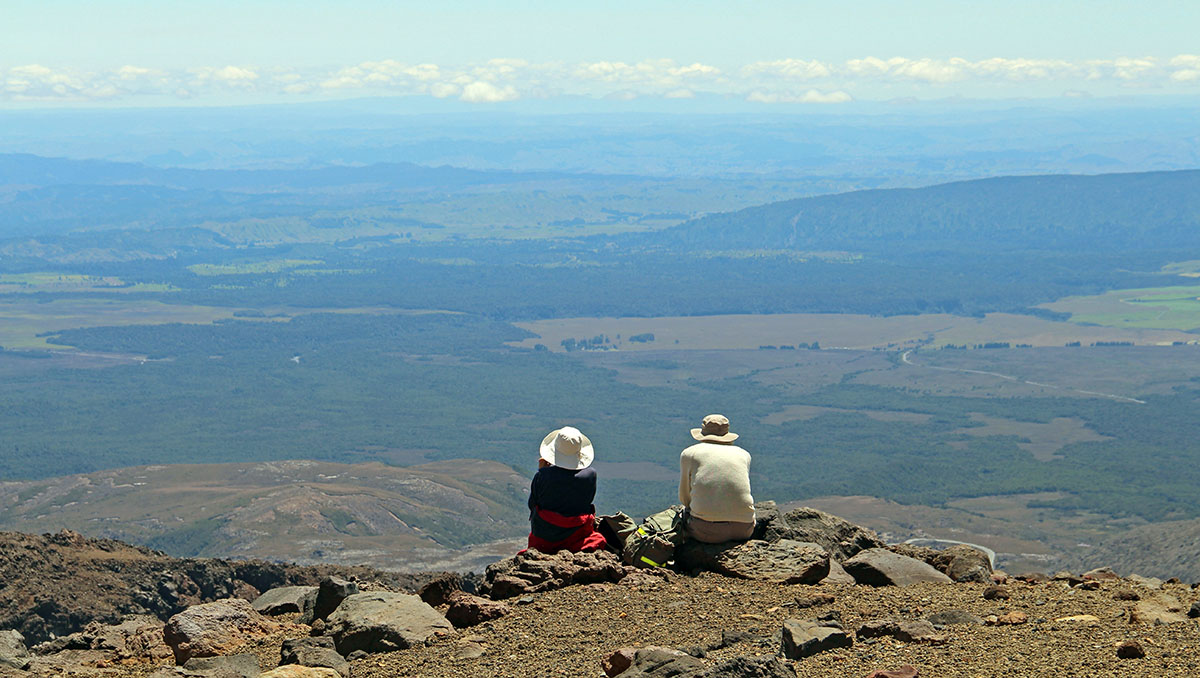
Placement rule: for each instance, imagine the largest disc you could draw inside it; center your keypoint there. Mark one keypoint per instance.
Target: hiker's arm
(685, 482)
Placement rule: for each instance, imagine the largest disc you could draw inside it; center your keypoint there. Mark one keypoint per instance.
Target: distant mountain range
(1104, 213)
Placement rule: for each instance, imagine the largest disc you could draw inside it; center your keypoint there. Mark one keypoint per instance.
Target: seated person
(561, 513)
(714, 485)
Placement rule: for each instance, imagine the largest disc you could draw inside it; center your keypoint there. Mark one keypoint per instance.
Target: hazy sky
(133, 52)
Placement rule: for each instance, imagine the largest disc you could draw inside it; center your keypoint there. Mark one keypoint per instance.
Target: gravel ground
(566, 633)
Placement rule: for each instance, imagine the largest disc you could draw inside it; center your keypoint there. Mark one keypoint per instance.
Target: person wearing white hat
(561, 513)
(714, 484)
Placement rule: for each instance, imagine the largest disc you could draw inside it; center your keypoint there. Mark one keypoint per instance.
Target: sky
(81, 53)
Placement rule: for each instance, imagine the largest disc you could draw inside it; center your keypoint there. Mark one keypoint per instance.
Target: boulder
(963, 563)
(314, 652)
(783, 561)
(841, 538)
(837, 575)
(533, 572)
(909, 631)
(330, 593)
(13, 653)
(880, 567)
(216, 628)
(750, 667)
(1145, 582)
(231, 666)
(286, 600)
(467, 610)
(296, 671)
(1160, 608)
(383, 622)
(442, 589)
(618, 661)
(805, 638)
(663, 662)
(815, 600)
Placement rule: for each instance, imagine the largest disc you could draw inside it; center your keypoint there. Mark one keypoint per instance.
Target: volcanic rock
(467, 610)
(805, 638)
(1158, 609)
(383, 622)
(839, 537)
(963, 563)
(13, 653)
(231, 666)
(313, 652)
(1130, 649)
(330, 593)
(215, 628)
(533, 572)
(783, 561)
(296, 671)
(880, 567)
(908, 631)
(286, 600)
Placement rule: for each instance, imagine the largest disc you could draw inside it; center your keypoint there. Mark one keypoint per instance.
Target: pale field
(1175, 307)
(28, 283)
(1044, 440)
(834, 331)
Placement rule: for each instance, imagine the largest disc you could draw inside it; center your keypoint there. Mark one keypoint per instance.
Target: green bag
(616, 529)
(653, 543)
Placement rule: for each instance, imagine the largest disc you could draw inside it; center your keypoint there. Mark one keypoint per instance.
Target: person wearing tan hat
(714, 484)
(561, 513)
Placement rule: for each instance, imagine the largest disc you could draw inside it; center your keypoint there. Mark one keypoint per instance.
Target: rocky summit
(811, 595)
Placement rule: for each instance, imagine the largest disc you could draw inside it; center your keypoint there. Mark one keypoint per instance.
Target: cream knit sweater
(714, 483)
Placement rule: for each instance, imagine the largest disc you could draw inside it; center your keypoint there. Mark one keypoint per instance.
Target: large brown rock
(909, 631)
(805, 638)
(881, 567)
(467, 610)
(1160, 608)
(841, 538)
(384, 622)
(216, 628)
(661, 662)
(784, 561)
(13, 653)
(313, 652)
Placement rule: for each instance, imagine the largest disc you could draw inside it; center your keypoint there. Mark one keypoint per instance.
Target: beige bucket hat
(714, 429)
(567, 448)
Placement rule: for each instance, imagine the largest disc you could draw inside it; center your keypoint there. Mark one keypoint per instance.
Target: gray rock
(316, 652)
(286, 600)
(963, 563)
(663, 662)
(880, 567)
(784, 561)
(837, 575)
(331, 592)
(1160, 608)
(841, 538)
(751, 667)
(383, 622)
(953, 617)
(231, 666)
(805, 638)
(1145, 582)
(13, 653)
(909, 631)
(1194, 611)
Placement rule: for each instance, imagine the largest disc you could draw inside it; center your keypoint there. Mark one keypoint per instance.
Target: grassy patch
(1171, 308)
(252, 267)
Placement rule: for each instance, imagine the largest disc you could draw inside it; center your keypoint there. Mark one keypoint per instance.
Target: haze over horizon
(704, 57)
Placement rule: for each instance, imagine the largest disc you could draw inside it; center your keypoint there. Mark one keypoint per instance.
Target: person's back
(714, 484)
(717, 487)
(561, 513)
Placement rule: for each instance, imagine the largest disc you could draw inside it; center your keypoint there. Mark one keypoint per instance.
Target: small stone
(1080, 619)
(524, 600)
(805, 638)
(1091, 585)
(469, 651)
(1130, 649)
(1008, 619)
(815, 600)
(996, 593)
(1126, 594)
(907, 631)
(1194, 612)
(1101, 574)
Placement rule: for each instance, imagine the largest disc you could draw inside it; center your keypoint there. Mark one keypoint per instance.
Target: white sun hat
(567, 448)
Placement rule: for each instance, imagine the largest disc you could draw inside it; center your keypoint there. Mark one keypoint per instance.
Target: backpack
(653, 543)
(616, 529)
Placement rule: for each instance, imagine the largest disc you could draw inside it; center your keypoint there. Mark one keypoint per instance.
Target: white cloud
(792, 69)
(485, 92)
(1187, 68)
(812, 96)
(680, 94)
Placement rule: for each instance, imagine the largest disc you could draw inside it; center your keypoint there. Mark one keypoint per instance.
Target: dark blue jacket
(569, 493)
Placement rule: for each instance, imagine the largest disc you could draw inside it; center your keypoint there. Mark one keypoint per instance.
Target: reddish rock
(1101, 574)
(1126, 594)
(217, 628)
(1010, 619)
(618, 662)
(919, 631)
(815, 600)
(468, 610)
